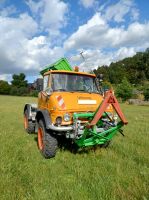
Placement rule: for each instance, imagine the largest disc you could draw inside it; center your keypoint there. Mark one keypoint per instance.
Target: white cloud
(118, 11)
(22, 51)
(135, 14)
(6, 77)
(87, 3)
(95, 57)
(124, 52)
(96, 33)
(24, 48)
(86, 35)
(136, 34)
(51, 17)
(34, 5)
(54, 14)
(51, 14)
(24, 25)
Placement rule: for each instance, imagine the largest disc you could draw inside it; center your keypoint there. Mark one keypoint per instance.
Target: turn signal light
(76, 68)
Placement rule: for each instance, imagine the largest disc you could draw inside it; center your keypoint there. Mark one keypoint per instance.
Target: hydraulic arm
(101, 127)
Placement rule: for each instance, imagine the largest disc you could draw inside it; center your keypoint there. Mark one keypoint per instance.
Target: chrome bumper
(60, 128)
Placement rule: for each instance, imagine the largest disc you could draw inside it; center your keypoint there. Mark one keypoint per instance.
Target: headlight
(58, 121)
(67, 117)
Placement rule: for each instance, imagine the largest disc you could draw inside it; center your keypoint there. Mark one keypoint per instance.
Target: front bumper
(60, 128)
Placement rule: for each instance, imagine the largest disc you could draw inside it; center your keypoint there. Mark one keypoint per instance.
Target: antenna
(81, 53)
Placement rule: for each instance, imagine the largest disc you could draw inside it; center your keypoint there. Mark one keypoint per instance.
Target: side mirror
(48, 91)
(100, 77)
(99, 80)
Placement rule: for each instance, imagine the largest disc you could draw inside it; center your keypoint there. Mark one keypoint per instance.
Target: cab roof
(68, 72)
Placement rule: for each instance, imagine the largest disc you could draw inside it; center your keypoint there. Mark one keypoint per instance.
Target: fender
(31, 109)
(44, 114)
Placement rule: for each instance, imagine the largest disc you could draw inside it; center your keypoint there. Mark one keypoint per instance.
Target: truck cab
(65, 93)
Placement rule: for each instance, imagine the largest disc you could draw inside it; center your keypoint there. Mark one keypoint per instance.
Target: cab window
(45, 82)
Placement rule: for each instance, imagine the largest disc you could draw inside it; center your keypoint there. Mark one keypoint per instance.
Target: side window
(45, 82)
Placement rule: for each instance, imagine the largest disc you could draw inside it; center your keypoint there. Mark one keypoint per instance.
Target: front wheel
(47, 143)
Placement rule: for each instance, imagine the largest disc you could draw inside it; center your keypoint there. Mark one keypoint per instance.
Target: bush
(14, 91)
(146, 94)
(106, 85)
(4, 87)
(145, 90)
(22, 91)
(124, 90)
(34, 93)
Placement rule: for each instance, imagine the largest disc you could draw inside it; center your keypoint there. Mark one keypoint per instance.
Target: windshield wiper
(60, 89)
(80, 90)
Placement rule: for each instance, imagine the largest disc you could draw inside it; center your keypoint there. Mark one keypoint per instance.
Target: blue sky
(35, 33)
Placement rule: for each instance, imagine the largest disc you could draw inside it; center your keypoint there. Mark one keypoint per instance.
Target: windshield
(72, 82)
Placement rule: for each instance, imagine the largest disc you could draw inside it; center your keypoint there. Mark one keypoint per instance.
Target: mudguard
(31, 109)
(44, 114)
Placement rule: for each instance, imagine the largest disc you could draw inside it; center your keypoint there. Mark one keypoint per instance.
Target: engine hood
(60, 103)
(76, 101)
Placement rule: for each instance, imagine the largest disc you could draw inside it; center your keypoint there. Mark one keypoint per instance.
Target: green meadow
(120, 171)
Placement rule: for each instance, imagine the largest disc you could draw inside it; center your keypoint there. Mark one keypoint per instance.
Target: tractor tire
(47, 143)
(28, 125)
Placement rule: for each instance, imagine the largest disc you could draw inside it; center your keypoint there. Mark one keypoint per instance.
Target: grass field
(119, 172)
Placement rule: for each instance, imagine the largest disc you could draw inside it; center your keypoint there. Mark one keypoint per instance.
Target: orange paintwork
(40, 138)
(70, 100)
(25, 122)
(69, 72)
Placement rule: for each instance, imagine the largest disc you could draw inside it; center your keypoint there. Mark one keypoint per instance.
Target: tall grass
(119, 172)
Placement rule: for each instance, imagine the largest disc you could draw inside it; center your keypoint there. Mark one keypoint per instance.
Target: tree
(22, 91)
(4, 87)
(146, 94)
(106, 85)
(19, 81)
(135, 69)
(124, 90)
(146, 91)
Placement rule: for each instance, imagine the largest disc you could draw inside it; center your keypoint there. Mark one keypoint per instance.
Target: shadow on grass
(67, 145)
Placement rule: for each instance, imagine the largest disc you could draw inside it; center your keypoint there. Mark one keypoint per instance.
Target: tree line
(129, 76)
(135, 69)
(18, 86)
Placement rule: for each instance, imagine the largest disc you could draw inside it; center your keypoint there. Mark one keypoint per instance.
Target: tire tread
(50, 142)
(31, 126)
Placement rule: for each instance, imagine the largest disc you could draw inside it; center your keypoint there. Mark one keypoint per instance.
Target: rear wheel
(47, 143)
(28, 125)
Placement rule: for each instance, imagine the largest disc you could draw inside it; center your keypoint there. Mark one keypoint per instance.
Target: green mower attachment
(100, 128)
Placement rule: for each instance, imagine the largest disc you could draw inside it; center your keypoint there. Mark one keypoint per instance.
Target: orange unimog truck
(72, 105)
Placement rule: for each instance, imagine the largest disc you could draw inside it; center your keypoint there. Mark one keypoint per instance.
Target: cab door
(43, 95)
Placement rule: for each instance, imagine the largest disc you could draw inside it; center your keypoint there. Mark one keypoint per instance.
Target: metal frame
(90, 135)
